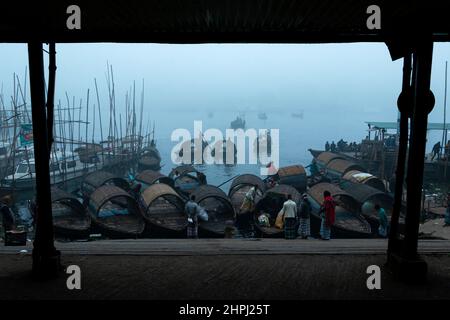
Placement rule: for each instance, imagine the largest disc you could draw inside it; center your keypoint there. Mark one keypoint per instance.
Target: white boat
(64, 168)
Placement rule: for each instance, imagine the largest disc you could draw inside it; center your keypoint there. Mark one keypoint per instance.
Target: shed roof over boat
(248, 179)
(157, 190)
(59, 195)
(209, 191)
(291, 171)
(151, 177)
(183, 169)
(317, 190)
(325, 157)
(363, 192)
(106, 193)
(343, 166)
(365, 178)
(284, 190)
(100, 178)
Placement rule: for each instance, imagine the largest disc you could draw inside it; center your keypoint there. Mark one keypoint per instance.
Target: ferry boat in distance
(298, 115)
(262, 116)
(238, 123)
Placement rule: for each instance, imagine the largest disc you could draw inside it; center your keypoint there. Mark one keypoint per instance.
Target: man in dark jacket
(8, 220)
(305, 214)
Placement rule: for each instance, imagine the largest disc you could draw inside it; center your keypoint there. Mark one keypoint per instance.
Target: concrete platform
(435, 228)
(224, 269)
(231, 246)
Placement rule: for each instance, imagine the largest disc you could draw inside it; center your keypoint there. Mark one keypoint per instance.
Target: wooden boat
(241, 185)
(224, 152)
(150, 159)
(100, 178)
(263, 145)
(271, 203)
(323, 158)
(365, 178)
(186, 179)
(367, 197)
(262, 116)
(149, 177)
(163, 208)
(294, 176)
(192, 151)
(297, 115)
(349, 222)
(219, 209)
(70, 218)
(115, 213)
(336, 168)
(238, 123)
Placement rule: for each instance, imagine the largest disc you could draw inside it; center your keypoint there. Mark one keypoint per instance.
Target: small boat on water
(349, 222)
(150, 159)
(66, 169)
(115, 213)
(186, 179)
(192, 151)
(365, 178)
(224, 152)
(323, 158)
(262, 116)
(367, 197)
(297, 115)
(149, 177)
(97, 179)
(70, 218)
(219, 208)
(294, 176)
(241, 185)
(238, 123)
(163, 209)
(270, 205)
(263, 145)
(337, 168)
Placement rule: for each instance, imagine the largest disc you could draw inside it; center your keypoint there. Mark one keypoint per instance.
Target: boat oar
(228, 180)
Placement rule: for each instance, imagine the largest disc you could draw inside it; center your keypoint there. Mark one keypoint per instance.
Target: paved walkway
(231, 247)
(224, 269)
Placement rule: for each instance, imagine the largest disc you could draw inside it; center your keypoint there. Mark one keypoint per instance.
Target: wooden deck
(195, 247)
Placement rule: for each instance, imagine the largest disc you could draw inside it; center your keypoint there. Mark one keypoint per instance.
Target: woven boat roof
(343, 166)
(284, 189)
(99, 178)
(248, 179)
(326, 156)
(183, 169)
(150, 177)
(291, 171)
(157, 190)
(105, 193)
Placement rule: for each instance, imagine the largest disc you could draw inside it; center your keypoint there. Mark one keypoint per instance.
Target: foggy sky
(343, 80)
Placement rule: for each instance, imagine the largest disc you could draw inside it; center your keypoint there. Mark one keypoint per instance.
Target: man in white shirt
(290, 218)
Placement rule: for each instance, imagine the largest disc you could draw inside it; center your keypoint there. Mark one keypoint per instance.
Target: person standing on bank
(328, 214)
(384, 224)
(192, 209)
(305, 214)
(8, 220)
(289, 212)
